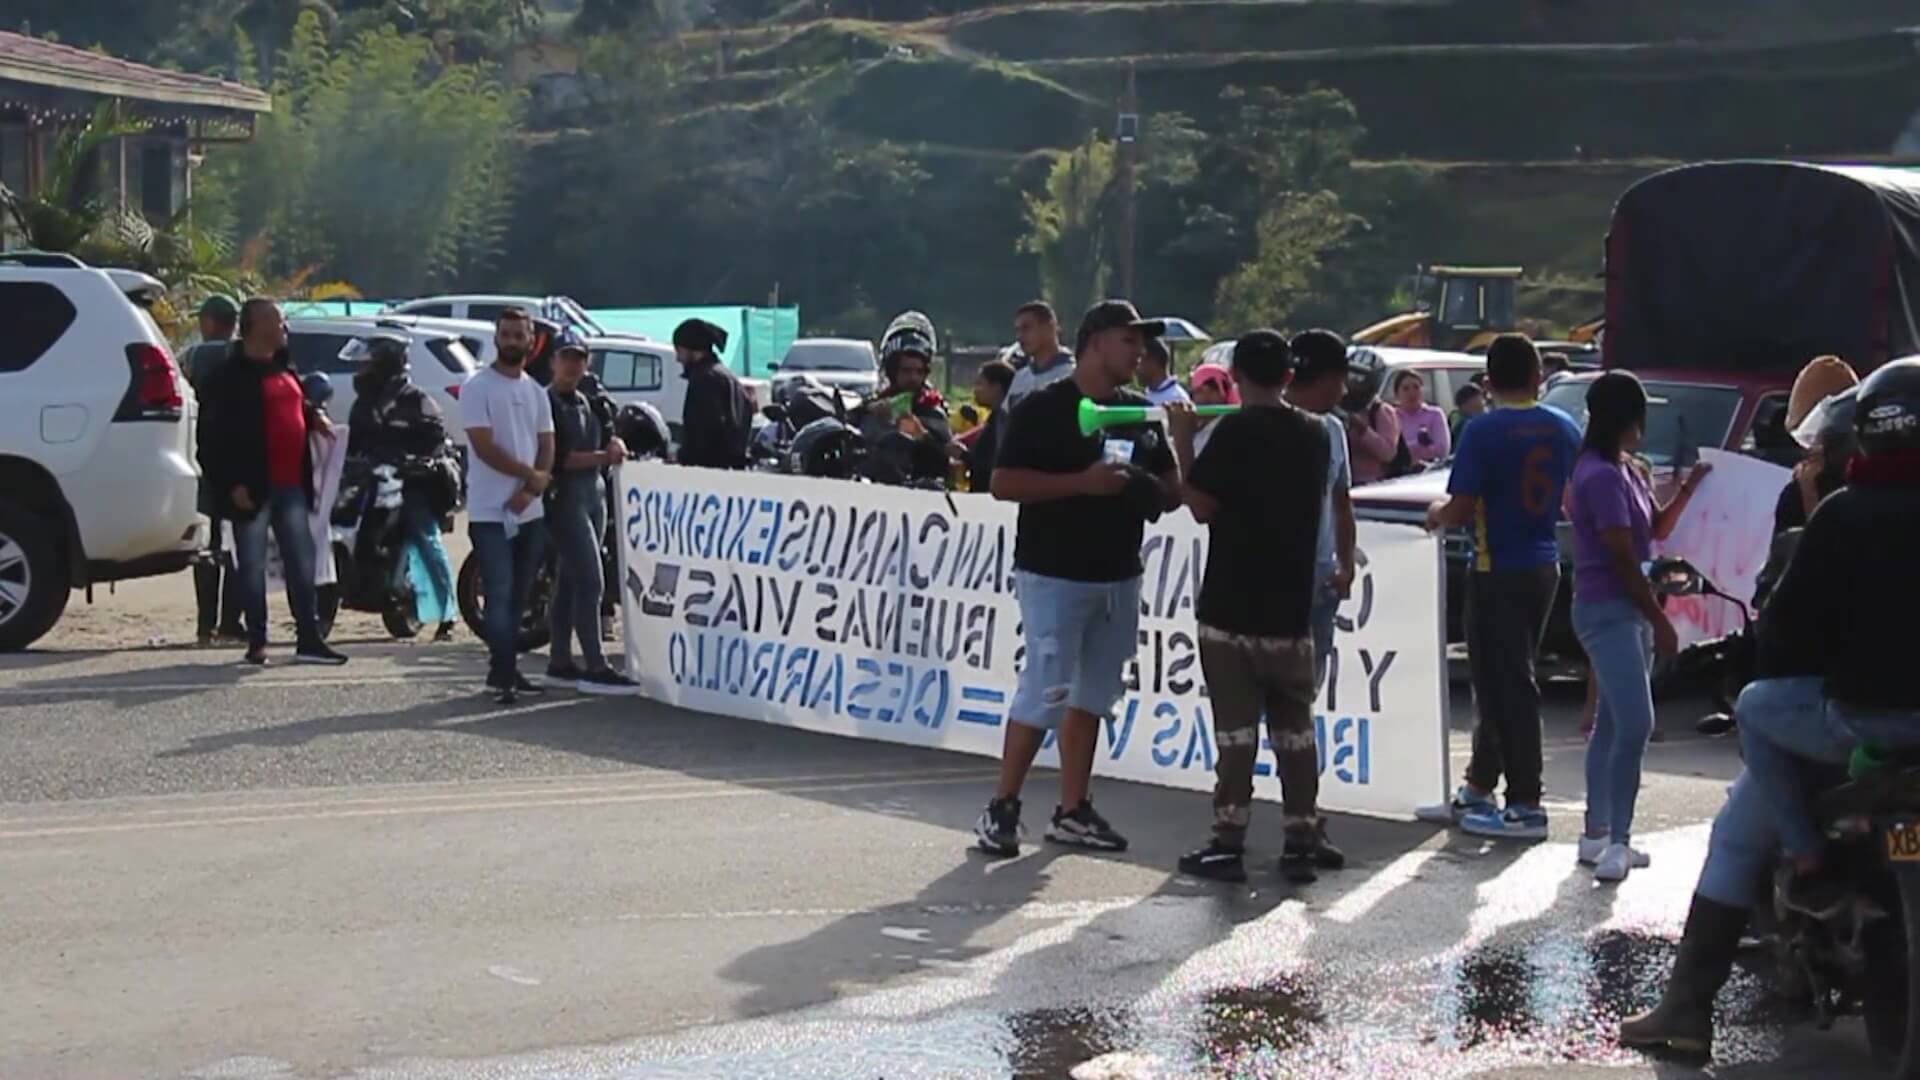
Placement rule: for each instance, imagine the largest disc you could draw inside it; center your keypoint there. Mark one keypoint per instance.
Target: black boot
(1683, 1021)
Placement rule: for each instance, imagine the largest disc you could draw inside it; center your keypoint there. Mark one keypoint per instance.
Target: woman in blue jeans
(1615, 614)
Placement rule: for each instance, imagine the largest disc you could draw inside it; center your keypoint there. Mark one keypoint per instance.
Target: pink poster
(1725, 532)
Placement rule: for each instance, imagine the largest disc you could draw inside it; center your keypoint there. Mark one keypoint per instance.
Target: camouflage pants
(1248, 677)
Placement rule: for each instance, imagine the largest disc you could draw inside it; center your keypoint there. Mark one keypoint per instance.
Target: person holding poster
(1084, 503)
(1259, 488)
(1509, 477)
(1615, 615)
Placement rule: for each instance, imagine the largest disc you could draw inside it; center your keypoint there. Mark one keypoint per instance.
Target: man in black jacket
(216, 595)
(1832, 677)
(255, 458)
(717, 419)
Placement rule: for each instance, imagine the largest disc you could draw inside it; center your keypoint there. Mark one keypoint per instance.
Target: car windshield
(1681, 417)
(578, 316)
(828, 356)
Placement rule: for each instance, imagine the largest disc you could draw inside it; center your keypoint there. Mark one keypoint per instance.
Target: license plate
(1903, 842)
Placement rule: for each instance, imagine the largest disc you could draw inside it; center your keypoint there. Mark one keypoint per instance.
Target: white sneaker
(1592, 847)
(1614, 863)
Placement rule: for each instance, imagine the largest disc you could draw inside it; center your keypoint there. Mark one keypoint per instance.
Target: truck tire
(33, 583)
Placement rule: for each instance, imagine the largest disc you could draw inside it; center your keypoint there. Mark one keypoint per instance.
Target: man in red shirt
(254, 458)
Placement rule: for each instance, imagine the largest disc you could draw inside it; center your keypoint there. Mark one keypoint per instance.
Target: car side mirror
(774, 366)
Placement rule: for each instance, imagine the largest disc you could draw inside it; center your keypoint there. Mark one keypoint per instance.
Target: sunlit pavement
(212, 872)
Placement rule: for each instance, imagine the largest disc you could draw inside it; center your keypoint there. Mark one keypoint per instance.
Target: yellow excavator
(1461, 309)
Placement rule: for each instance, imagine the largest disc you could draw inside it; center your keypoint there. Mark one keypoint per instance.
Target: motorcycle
(1863, 958)
(644, 431)
(1726, 664)
(369, 541)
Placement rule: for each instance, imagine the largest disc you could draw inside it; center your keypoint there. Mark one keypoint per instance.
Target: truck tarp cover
(1761, 266)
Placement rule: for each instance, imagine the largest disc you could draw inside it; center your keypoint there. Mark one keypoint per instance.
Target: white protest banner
(879, 612)
(1725, 532)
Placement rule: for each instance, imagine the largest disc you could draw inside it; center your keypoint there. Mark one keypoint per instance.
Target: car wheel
(33, 583)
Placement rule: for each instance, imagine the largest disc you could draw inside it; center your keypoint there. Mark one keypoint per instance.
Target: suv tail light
(154, 393)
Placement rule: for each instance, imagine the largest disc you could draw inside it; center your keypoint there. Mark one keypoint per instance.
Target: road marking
(626, 782)
(974, 777)
(512, 975)
(255, 683)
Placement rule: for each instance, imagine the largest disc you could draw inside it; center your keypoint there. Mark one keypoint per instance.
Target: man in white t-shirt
(509, 421)
(1156, 375)
(1319, 382)
(1038, 361)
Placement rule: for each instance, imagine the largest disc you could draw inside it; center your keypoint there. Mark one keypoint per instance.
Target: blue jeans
(1766, 812)
(578, 525)
(433, 598)
(1079, 637)
(1326, 605)
(1618, 642)
(287, 514)
(506, 577)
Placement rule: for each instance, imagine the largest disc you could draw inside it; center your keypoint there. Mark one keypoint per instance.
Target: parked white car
(488, 307)
(846, 363)
(98, 478)
(438, 361)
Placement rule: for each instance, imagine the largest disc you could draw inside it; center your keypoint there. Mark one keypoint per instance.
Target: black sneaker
(607, 681)
(444, 634)
(1216, 861)
(318, 653)
(523, 685)
(1084, 827)
(562, 675)
(1308, 850)
(255, 658)
(505, 695)
(998, 830)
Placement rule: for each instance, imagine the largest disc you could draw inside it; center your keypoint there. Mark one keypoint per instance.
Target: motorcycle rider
(906, 404)
(1829, 680)
(394, 422)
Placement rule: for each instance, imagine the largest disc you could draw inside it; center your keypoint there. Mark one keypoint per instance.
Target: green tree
(1069, 225)
(1295, 237)
(382, 164)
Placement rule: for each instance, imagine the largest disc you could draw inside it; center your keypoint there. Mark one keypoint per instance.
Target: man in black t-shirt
(1259, 488)
(1084, 504)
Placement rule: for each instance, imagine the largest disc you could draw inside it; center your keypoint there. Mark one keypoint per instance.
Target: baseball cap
(1116, 315)
(1317, 353)
(1214, 374)
(570, 342)
(1262, 350)
(220, 307)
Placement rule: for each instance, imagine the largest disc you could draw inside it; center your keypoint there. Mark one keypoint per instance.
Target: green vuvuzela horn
(1094, 417)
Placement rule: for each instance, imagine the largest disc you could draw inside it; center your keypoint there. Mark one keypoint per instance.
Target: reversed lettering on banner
(880, 612)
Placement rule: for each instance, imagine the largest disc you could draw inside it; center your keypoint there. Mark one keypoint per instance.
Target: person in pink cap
(1210, 384)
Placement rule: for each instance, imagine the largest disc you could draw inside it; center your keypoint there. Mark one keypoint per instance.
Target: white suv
(97, 471)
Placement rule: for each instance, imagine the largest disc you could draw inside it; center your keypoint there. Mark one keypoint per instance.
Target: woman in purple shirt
(1618, 620)
(1423, 427)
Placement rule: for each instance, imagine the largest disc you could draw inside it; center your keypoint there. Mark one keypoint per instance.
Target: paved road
(213, 872)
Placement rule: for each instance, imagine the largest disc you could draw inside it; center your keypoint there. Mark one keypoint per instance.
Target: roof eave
(239, 99)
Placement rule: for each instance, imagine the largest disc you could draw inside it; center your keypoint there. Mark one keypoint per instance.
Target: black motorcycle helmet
(386, 353)
(827, 447)
(909, 341)
(643, 430)
(1366, 373)
(317, 387)
(806, 399)
(1886, 418)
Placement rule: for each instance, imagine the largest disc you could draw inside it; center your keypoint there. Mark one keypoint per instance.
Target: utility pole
(1127, 133)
